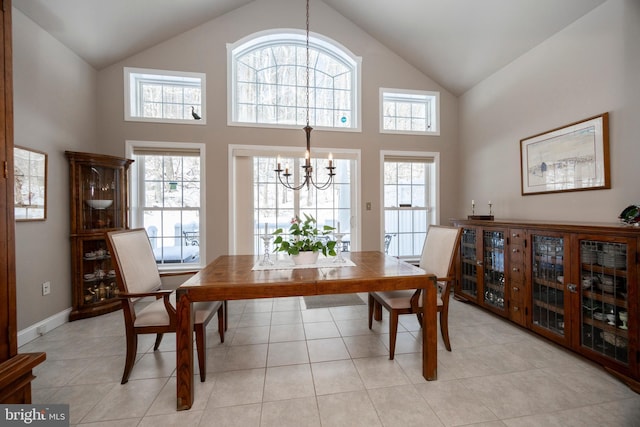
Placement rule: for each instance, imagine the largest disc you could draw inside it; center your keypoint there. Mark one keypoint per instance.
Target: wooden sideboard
(575, 284)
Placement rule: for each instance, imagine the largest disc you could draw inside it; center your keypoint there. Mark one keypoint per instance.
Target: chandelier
(307, 179)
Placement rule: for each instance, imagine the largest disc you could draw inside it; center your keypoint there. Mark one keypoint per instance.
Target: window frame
(294, 37)
(163, 75)
(410, 92)
(394, 155)
(136, 202)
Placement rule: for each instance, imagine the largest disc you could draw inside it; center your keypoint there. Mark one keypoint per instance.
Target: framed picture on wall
(30, 184)
(574, 157)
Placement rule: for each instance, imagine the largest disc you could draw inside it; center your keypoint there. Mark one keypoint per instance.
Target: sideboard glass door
(469, 273)
(605, 298)
(493, 262)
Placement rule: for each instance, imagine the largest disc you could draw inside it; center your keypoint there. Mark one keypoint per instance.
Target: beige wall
(203, 49)
(54, 111)
(586, 69)
(589, 68)
(61, 103)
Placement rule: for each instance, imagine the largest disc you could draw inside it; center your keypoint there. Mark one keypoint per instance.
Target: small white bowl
(99, 204)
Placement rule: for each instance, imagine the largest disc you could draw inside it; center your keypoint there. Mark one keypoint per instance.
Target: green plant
(304, 236)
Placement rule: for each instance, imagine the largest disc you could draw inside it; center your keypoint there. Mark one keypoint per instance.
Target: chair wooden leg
(158, 341)
(130, 358)
(377, 311)
(221, 322)
(444, 330)
(371, 303)
(393, 331)
(419, 316)
(201, 347)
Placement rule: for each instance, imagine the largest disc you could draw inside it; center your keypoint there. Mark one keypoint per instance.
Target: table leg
(430, 331)
(184, 351)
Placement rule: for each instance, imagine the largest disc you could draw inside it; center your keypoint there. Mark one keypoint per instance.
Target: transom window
(409, 111)
(268, 82)
(164, 96)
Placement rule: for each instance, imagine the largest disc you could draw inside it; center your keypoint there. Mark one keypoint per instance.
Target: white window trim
(315, 38)
(130, 145)
(409, 92)
(436, 181)
(258, 149)
(127, 95)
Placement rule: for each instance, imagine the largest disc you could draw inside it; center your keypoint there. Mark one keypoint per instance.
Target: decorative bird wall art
(194, 114)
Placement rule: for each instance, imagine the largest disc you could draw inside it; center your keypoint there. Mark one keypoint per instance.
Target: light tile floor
(283, 365)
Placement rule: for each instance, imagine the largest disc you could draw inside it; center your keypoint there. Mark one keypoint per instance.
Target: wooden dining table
(232, 277)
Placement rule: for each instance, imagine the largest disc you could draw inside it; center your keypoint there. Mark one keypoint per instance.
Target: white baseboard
(34, 331)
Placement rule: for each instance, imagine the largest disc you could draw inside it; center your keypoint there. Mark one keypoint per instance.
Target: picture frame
(574, 157)
(30, 184)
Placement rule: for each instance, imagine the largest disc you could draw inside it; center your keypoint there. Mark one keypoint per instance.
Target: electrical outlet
(46, 288)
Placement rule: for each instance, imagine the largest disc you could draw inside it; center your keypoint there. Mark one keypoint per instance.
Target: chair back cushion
(438, 252)
(134, 259)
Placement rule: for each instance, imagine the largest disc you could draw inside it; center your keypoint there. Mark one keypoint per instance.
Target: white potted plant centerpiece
(305, 241)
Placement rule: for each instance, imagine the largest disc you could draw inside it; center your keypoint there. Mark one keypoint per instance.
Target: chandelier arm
(323, 186)
(288, 185)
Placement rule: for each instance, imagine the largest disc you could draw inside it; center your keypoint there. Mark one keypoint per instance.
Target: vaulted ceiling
(458, 43)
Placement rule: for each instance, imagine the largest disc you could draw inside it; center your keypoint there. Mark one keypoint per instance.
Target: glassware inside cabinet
(493, 280)
(99, 278)
(548, 283)
(469, 278)
(603, 279)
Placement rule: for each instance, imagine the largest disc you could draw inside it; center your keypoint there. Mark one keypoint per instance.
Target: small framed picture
(30, 184)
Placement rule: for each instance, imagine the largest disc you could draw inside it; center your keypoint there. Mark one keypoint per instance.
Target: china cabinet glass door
(100, 197)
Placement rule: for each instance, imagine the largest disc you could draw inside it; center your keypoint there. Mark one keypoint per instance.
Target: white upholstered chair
(138, 277)
(438, 255)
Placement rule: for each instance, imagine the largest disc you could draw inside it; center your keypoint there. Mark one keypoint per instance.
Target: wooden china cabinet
(98, 186)
(16, 369)
(575, 284)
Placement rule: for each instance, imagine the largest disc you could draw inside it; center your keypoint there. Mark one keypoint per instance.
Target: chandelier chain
(307, 69)
(307, 178)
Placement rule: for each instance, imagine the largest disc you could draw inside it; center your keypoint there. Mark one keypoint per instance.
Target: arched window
(268, 82)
